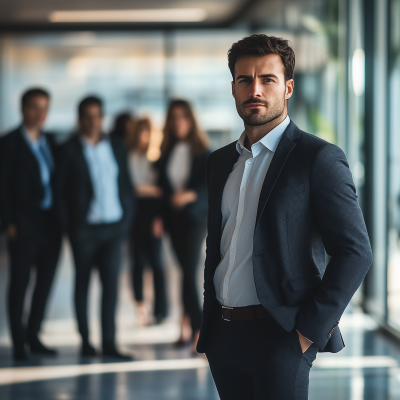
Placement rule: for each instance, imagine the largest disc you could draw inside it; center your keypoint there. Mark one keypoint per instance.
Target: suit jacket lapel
(217, 180)
(285, 146)
(31, 162)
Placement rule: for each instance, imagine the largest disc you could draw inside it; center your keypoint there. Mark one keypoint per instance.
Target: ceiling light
(154, 15)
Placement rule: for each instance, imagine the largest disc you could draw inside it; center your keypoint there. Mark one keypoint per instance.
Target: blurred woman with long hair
(148, 228)
(182, 166)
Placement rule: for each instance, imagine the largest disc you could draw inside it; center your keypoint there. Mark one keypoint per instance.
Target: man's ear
(233, 90)
(289, 89)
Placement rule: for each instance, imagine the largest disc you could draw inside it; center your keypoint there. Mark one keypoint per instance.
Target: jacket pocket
(305, 282)
(289, 190)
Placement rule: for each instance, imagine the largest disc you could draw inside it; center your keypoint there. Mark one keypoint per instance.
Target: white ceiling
(37, 11)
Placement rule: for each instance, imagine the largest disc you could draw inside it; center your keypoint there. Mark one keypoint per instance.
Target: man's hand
(304, 342)
(12, 232)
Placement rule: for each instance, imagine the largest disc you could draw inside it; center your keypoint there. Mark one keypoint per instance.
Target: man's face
(34, 112)
(260, 89)
(91, 120)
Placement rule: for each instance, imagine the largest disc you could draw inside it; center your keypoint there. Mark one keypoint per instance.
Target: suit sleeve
(6, 180)
(207, 177)
(62, 189)
(130, 205)
(341, 225)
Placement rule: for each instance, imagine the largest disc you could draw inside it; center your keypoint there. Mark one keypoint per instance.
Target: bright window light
(154, 15)
(358, 72)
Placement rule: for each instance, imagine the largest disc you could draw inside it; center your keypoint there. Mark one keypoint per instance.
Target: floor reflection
(367, 369)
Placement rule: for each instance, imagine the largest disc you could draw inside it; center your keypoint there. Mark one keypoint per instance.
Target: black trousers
(258, 360)
(147, 251)
(97, 246)
(37, 248)
(187, 239)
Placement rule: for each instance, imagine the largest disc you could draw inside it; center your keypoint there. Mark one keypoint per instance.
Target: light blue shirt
(103, 169)
(42, 153)
(233, 279)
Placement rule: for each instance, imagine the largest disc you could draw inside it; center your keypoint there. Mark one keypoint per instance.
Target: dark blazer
(21, 189)
(74, 190)
(308, 205)
(195, 212)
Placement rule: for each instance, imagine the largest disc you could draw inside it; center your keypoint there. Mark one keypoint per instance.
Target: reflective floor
(368, 368)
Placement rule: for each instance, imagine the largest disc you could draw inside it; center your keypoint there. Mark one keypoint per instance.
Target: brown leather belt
(244, 313)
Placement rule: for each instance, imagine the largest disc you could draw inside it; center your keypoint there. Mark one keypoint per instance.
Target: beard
(260, 116)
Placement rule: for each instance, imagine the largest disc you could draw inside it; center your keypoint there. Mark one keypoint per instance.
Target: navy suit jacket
(195, 212)
(74, 191)
(307, 206)
(21, 188)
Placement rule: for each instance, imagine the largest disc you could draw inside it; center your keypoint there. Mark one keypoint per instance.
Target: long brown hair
(141, 125)
(197, 139)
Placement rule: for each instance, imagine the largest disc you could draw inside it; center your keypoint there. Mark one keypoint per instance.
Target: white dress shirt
(233, 279)
(106, 206)
(179, 164)
(142, 170)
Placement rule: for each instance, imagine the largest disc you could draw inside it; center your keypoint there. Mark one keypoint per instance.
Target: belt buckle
(227, 308)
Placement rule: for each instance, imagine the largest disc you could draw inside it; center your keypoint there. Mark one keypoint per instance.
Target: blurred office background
(347, 91)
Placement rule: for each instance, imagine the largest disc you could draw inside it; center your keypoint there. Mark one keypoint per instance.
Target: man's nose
(255, 89)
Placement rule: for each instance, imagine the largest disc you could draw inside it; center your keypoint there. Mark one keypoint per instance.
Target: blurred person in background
(95, 201)
(147, 231)
(124, 126)
(27, 213)
(181, 167)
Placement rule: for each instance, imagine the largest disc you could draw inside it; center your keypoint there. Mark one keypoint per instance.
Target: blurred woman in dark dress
(182, 167)
(148, 227)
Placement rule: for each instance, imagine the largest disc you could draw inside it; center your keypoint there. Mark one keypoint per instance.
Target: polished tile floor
(367, 369)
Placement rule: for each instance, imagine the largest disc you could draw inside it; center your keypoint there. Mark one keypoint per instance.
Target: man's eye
(243, 80)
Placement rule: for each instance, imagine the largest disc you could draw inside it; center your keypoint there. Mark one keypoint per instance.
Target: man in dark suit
(278, 199)
(94, 205)
(27, 214)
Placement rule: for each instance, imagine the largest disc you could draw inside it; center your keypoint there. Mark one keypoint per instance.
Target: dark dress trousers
(307, 206)
(93, 245)
(187, 228)
(147, 250)
(38, 239)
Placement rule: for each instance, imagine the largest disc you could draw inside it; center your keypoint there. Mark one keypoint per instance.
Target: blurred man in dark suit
(95, 202)
(27, 214)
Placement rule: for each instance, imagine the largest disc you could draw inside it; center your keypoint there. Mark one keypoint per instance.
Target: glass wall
(139, 72)
(393, 273)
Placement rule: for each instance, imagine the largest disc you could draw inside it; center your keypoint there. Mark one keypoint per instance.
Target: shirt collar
(104, 139)
(270, 140)
(41, 139)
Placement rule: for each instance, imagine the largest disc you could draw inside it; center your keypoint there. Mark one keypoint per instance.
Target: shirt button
(243, 189)
(249, 162)
(232, 249)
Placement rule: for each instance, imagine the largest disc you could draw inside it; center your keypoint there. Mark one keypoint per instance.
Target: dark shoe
(88, 350)
(114, 353)
(37, 347)
(20, 354)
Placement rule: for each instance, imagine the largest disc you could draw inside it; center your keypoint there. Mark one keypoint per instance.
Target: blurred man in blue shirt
(27, 213)
(94, 206)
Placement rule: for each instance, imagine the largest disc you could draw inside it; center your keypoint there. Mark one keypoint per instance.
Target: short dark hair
(262, 45)
(33, 92)
(89, 101)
